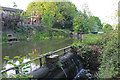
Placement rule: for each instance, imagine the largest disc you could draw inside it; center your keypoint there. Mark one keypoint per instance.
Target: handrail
(41, 56)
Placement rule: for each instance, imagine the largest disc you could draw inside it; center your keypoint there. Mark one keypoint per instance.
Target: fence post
(17, 70)
(74, 50)
(40, 62)
(64, 51)
(46, 59)
(81, 37)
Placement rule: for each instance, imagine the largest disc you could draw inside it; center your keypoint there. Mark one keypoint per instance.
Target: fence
(40, 58)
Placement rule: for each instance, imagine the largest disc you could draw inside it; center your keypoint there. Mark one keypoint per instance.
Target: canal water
(32, 49)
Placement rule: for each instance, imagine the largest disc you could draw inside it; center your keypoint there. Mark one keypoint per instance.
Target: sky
(104, 9)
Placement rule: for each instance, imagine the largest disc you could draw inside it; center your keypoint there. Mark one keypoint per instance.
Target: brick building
(10, 16)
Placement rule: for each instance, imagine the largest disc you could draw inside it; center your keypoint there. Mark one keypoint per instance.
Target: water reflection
(34, 66)
(31, 49)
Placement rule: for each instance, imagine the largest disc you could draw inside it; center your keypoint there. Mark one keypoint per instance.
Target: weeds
(105, 48)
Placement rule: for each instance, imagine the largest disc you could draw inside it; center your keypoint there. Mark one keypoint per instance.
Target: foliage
(21, 37)
(85, 23)
(22, 69)
(18, 29)
(4, 39)
(47, 19)
(80, 22)
(41, 36)
(54, 33)
(77, 44)
(109, 57)
(103, 51)
(99, 24)
(107, 27)
(94, 23)
(55, 12)
(61, 30)
(24, 15)
(92, 39)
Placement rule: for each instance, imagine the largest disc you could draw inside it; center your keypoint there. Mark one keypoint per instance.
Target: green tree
(83, 22)
(95, 24)
(24, 15)
(63, 12)
(47, 20)
(80, 22)
(99, 24)
(107, 27)
(92, 24)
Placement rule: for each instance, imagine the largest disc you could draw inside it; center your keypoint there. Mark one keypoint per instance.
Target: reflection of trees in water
(34, 54)
(34, 49)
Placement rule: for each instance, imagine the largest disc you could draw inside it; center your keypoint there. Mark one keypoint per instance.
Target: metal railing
(40, 58)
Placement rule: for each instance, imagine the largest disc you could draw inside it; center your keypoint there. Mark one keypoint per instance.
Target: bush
(107, 28)
(22, 69)
(106, 52)
(109, 57)
(4, 39)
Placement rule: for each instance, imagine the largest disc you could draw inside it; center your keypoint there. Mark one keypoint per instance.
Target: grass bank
(100, 54)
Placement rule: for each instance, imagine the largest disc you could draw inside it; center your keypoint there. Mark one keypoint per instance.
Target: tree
(92, 24)
(107, 27)
(80, 22)
(47, 19)
(83, 22)
(99, 23)
(95, 24)
(63, 12)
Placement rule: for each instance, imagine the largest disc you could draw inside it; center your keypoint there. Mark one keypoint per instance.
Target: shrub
(22, 69)
(107, 47)
(109, 57)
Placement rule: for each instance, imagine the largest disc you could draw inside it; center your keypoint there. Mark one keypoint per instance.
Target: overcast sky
(104, 9)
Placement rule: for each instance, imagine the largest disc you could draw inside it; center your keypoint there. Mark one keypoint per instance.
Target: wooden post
(46, 59)
(17, 70)
(74, 50)
(40, 62)
(64, 51)
(81, 37)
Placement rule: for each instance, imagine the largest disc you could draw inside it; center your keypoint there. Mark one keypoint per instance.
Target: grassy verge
(92, 39)
(101, 50)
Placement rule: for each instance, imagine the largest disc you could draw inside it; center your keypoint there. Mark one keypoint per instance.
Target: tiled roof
(9, 9)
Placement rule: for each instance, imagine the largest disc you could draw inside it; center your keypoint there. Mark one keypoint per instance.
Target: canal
(32, 49)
